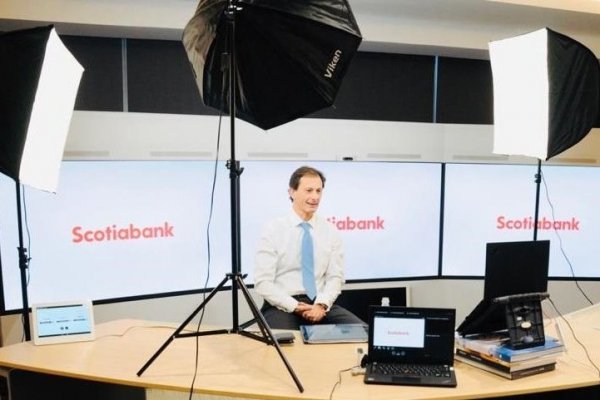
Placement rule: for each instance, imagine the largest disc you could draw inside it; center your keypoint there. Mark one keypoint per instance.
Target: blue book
(550, 346)
(497, 345)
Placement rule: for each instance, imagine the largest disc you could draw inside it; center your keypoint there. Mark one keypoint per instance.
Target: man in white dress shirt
(278, 275)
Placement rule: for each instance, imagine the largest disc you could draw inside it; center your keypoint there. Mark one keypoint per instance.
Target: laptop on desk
(411, 346)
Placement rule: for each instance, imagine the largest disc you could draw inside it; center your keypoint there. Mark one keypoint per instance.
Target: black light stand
(523, 312)
(34, 69)
(23, 263)
(235, 276)
(538, 180)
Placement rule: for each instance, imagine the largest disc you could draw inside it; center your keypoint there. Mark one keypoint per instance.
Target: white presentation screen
(388, 213)
(496, 203)
(119, 229)
(115, 229)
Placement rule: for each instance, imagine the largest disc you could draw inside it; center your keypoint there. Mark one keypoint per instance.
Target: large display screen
(114, 229)
(387, 213)
(496, 203)
(121, 229)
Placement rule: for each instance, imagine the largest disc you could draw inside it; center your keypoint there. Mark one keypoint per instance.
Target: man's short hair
(304, 171)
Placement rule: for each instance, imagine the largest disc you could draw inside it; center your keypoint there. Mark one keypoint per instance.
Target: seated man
(300, 263)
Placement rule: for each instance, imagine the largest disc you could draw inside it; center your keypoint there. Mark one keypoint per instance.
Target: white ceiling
(461, 28)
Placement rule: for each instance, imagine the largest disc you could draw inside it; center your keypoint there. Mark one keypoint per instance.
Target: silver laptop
(411, 346)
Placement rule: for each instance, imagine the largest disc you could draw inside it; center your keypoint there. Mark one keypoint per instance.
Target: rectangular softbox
(39, 79)
(546, 93)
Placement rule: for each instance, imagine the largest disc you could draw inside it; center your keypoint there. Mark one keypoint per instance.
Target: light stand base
(266, 336)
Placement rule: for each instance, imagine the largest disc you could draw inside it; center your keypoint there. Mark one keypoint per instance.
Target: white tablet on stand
(62, 322)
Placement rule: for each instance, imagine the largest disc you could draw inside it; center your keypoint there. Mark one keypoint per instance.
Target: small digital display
(62, 322)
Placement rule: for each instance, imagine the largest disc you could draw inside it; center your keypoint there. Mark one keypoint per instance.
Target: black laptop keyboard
(411, 369)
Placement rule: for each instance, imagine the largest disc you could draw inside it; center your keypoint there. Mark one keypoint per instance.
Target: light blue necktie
(308, 262)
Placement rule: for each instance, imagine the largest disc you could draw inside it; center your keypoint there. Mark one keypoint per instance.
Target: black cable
(210, 215)
(561, 243)
(587, 354)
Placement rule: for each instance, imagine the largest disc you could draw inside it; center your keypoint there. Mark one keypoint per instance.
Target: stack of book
(491, 352)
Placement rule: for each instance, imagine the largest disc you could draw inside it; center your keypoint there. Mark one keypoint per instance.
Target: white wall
(102, 135)
(140, 136)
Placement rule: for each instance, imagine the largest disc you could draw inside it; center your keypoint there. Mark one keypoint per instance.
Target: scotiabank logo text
(350, 224)
(115, 233)
(544, 223)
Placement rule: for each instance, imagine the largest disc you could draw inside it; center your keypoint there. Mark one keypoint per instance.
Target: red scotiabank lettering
(349, 224)
(528, 223)
(114, 233)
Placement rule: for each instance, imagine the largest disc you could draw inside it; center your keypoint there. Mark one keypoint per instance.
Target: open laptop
(411, 346)
(510, 268)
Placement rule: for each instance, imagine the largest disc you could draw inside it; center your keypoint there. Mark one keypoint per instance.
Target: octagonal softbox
(290, 56)
(546, 93)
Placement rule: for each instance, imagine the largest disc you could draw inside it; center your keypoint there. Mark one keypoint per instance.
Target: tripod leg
(264, 327)
(182, 326)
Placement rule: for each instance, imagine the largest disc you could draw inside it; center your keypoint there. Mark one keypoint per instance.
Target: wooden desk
(232, 366)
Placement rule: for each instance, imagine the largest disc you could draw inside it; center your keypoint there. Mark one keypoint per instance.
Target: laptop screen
(411, 335)
(515, 268)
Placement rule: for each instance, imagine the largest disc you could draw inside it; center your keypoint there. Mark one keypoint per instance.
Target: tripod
(236, 278)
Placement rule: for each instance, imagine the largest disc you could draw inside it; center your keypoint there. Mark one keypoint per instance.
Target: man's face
(305, 200)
